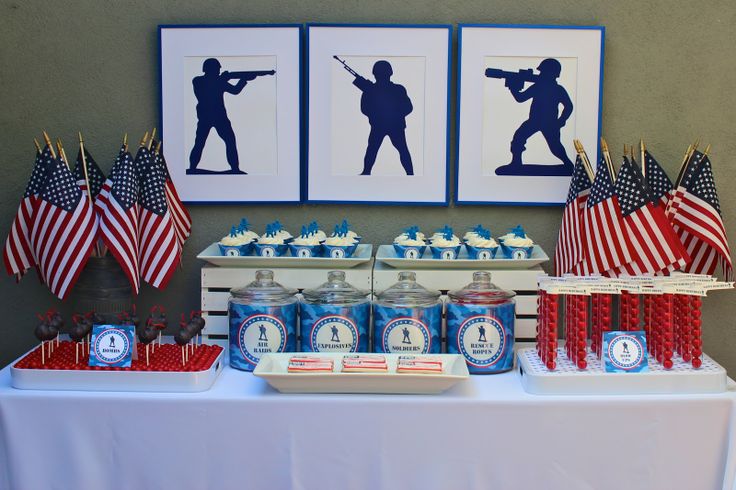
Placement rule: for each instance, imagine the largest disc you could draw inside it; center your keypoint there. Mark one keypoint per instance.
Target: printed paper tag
(625, 352)
(112, 345)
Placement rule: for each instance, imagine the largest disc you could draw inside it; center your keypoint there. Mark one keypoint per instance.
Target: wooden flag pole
(607, 158)
(62, 153)
(144, 139)
(125, 141)
(47, 140)
(153, 136)
(584, 157)
(642, 151)
(38, 147)
(706, 151)
(84, 167)
(686, 161)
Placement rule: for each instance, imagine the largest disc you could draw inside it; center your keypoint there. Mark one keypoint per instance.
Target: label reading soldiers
(406, 335)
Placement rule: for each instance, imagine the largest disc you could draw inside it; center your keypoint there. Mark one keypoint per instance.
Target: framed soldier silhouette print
(524, 94)
(378, 113)
(230, 108)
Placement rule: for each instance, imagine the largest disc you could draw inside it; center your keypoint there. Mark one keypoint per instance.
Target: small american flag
(118, 213)
(657, 248)
(18, 252)
(94, 174)
(64, 229)
(659, 184)
(159, 250)
(569, 251)
(180, 215)
(604, 237)
(697, 214)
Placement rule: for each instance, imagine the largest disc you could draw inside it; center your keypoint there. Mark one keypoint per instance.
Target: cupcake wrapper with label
(338, 252)
(236, 250)
(481, 253)
(445, 253)
(516, 252)
(271, 250)
(306, 251)
(410, 251)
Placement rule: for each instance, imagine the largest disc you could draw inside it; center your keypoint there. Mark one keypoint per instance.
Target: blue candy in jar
(407, 318)
(480, 325)
(334, 317)
(262, 318)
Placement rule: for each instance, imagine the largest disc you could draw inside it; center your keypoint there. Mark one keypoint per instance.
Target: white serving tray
(273, 368)
(567, 379)
(387, 254)
(212, 255)
(139, 381)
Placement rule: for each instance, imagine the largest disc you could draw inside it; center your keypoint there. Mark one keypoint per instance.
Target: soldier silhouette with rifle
(210, 89)
(386, 104)
(544, 116)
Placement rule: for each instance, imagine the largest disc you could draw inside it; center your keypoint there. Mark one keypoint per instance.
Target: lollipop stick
(159, 338)
(146, 354)
(43, 357)
(182, 355)
(76, 353)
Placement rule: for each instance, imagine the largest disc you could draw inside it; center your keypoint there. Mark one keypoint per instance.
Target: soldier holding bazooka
(210, 89)
(544, 116)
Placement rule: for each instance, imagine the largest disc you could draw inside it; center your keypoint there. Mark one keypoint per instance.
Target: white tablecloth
(486, 434)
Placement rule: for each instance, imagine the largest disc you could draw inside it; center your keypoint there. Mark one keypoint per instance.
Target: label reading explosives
(334, 333)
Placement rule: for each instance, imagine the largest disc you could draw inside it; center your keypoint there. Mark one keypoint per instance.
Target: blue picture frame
(458, 127)
(298, 197)
(305, 171)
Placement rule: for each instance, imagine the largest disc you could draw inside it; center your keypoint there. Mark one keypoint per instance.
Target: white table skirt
(486, 434)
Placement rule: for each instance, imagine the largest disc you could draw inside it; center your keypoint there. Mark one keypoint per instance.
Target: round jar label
(406, 334)
(261, 334)
(625, 352)
(111, 346)
(334, 333)
(482, 340)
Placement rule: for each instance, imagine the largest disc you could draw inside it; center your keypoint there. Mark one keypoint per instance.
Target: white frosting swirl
(515, 241)
(283, 234)
(306, 240)
(404, 240)
(339, 241)
(321, 235)
(442, 242)
(250, 235)
(467, 236)
(271, 240)
(480, 242)
(235, 241)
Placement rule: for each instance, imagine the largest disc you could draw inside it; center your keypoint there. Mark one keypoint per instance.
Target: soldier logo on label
(231, 252)
(482, 340)
(625, 352)
(334, 333)
(337, 253)
(268, 252)
(303, 252)
(411, 253)
(484, 255)
(261, 334)
(111, 346)
(448, 254)
(406, 335)
(519, 254)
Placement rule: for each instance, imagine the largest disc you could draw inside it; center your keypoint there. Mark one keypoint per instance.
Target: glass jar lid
(481, 291)
(335, 291)
(407, 292)
(264, 289)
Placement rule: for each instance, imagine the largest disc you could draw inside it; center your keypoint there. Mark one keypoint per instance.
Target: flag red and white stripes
(569, 252)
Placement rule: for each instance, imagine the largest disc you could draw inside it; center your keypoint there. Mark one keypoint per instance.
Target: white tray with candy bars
(417, 379)
(567, 379)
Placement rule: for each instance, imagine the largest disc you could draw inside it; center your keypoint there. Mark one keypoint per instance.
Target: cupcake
(244, 229)
(306, 245)
(340, 245)
(480, 244)
(409, 244)
(444, 244)
(314, 228)
(236, 244)
(472, 233)
(271, 244)
(516, 245)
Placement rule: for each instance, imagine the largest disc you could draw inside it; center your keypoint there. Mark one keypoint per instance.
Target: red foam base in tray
(166, 358)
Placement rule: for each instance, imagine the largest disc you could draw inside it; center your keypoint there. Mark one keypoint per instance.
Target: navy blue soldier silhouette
(482, 334)
(335, 337)
(112, 342)
(406, 339)
(386, 105)
(544, 116)
(626, 347)
(262, 331)
(210, 89)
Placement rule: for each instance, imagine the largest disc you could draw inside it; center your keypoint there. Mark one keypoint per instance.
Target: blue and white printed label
(333, 328)
(334, 333)
(268, 252)
(258, 330)
(112, 345)
(625, 352)
(483, 334)
(407, 330)
(406, 335)
(482, 340)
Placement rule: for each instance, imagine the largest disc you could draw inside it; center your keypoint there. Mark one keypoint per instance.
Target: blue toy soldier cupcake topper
(233, 232)
(483, 233)
(243, 225)
(411, 232)
(446, 232)
(518, 231)
(305, 231)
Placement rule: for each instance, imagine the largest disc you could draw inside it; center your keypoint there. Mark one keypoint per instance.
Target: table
(486, 433)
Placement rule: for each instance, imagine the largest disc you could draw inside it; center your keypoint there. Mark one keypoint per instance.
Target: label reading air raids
(112, 346)
(255, 331)
(625, 352)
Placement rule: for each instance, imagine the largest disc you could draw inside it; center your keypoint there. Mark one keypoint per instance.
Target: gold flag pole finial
(125, 141)
(38, 147)
(47, 140)
(706, 151)
(144, 139)
(62, 153)
(153, 136)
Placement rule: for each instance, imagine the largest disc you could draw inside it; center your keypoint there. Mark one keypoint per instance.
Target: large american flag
(569, 251)
(64, 229)
(604, 232)
(696, 212)
(180, 215)
(656, 246)
(659, 183)
(159, 250)
(18, 252)
(118, 214)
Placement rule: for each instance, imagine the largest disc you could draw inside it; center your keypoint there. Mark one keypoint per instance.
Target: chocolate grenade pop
(158, 319)
(146, 335)
(196, 317)
(43, 333)
(53, 324)
(182, 338)
(77, 332)
(56, 321)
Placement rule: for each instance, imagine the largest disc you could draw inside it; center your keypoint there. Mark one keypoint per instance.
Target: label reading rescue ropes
(407, 330)
(258, 330)
(484, 335)
(327, 328)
